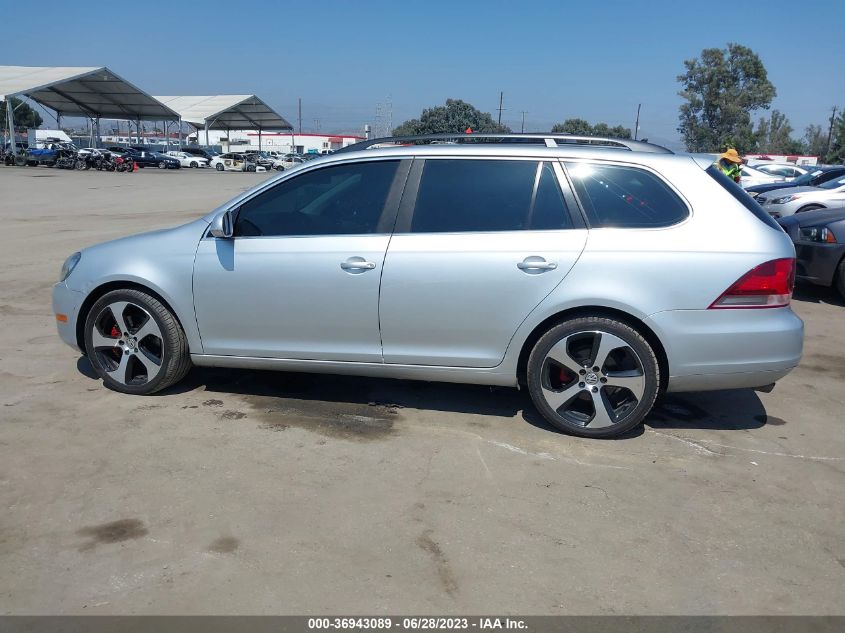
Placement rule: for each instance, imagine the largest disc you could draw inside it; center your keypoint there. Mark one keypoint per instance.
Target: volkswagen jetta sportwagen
(596, 273)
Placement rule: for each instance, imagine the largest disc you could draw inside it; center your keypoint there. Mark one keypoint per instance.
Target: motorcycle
(123, 164)
(67, 159)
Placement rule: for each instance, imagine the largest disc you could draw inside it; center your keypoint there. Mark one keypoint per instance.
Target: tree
(25, 116)
(581, 127)
(456, 116)
(722, 88)
(774, 135)
(815, 138)
(837, 145)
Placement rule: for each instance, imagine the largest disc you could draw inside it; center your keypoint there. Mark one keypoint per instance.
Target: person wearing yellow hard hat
(731, 164)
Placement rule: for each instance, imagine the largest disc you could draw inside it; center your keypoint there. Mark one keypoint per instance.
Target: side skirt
(469, 375)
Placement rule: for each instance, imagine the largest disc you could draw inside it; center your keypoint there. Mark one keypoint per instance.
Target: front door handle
(357, 264)
(536, 263)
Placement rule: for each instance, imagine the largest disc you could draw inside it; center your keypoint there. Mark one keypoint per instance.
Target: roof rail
(549, 140)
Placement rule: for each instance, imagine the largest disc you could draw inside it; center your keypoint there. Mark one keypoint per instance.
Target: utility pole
(501, 98)
(300, 116)
(524, 112)
(830, 130)
(637, 124)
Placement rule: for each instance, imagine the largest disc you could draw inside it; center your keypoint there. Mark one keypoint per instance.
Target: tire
(250, 168)
(162, 165)
(220, 167)
(810, 207)
(839, 281)
(194, 164)
(126, 364)
(581, 399)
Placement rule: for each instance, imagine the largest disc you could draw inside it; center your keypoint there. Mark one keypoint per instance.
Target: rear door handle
(536, 263)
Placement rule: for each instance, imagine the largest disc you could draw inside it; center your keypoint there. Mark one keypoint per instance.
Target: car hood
(811, 218)
(788, 191)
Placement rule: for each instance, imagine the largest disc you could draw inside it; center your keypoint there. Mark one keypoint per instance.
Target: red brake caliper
(115, 333)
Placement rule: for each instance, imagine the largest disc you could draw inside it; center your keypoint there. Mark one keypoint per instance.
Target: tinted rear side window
(488, 195)
(615, 196)
(742, 197)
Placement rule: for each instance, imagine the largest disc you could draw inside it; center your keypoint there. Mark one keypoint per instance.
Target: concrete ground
(247, 492)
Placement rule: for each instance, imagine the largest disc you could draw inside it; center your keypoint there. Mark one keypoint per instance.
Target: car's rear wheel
(593, 377)
(810, 207)
(134, 343)
(220, 167)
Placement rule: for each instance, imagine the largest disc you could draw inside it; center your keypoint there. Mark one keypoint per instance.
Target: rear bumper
(67, 302)
(728, 349)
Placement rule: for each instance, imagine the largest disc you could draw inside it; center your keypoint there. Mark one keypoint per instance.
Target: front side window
(617, 196)
(488, 195)
(339, 200)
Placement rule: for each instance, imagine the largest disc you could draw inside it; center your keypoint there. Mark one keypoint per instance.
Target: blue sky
(596, 60)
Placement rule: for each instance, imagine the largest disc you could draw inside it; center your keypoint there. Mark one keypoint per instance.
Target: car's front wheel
(162, 165)
(839, 282)
(593, 377)
(134, 343)
(220, 167)
(194, 164)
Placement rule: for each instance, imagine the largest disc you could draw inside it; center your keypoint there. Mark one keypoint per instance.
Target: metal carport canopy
(94, 92)
(227, 112)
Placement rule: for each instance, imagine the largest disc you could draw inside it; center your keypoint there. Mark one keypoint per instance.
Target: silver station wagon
(596, 273)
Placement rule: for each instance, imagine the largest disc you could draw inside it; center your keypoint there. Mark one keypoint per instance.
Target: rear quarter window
(625, 197)
(742, 197)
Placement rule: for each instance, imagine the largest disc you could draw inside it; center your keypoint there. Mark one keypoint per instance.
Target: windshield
(807, 179)
(833, 184)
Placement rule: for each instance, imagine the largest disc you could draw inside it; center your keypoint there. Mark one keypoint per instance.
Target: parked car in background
(394, 262)
(261, 159)
(188, 160)
(750, 177)
(819, 238)
(788, 201)
(787, 172)
(149, 158)
(233, 161)
(201, 152)
(102, 150)
(813, 178)
(287, 161)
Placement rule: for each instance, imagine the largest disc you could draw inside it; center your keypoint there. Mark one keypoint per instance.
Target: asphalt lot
(245, 492)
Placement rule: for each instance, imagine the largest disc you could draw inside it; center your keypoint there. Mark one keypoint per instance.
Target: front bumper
(817, 262)
(66, 304)
(728, 349)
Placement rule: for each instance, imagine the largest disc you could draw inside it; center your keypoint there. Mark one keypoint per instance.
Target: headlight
(785, 199)
(817, 234)
(69, 265)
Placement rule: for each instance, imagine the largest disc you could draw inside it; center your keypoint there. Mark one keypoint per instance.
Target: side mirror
(222, 225)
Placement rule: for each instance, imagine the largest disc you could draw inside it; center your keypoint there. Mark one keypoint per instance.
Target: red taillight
(768, 285)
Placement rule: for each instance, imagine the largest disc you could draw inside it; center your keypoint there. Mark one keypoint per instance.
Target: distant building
(783, 159)
(234, 140)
